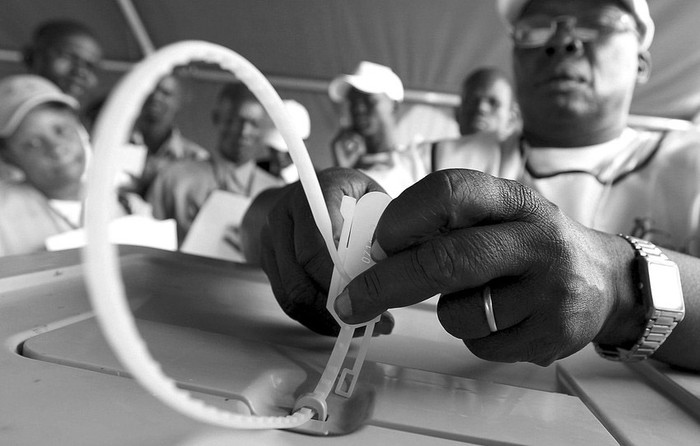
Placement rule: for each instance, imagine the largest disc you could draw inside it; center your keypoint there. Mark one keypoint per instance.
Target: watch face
(665, 286)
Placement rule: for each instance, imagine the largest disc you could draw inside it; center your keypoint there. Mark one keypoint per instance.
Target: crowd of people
(516, 222)
(167, 175)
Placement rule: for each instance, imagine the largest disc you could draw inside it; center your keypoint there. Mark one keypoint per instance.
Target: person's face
(370, 113)
(486, 106)
(48, 148)
(569, 79)
(240, 128)
(164, 102)
(71, 63)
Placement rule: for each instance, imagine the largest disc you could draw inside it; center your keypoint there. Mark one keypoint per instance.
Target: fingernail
(385, 325)
(376, 252)
(342, 305)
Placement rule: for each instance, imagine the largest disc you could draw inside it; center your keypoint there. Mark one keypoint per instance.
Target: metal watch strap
(659, 325)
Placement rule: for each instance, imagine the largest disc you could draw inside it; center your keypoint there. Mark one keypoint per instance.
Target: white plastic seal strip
(103, 275)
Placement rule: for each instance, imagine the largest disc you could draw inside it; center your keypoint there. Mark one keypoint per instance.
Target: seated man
(157, 131)
(369, 144)
(181, 190)
(40, 135)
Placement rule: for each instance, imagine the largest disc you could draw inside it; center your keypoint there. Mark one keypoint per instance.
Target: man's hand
(348, 147)
(295, 257)
(456, 231)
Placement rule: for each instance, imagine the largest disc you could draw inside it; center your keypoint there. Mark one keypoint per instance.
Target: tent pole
(137, 26)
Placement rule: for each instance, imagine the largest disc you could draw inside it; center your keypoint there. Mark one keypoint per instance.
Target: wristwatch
(662, 296)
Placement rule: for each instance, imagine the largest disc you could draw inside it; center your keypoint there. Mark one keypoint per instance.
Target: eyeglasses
(536, 30)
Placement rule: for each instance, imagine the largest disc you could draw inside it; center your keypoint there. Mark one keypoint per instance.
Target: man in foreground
(522, 278)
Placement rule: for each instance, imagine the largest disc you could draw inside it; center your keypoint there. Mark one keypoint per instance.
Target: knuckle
(436, 264)
(304, 303)
(372, 289)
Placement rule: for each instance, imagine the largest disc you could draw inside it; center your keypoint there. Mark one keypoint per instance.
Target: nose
(564, 41)
(84, 70)
(59, 150)
(358, 108)
(484, 106)
(249, 129)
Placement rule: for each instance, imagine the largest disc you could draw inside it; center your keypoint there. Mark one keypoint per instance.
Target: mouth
(76, 84)
(566, 78)
(480, 123)
(154, 107)
(361, 123)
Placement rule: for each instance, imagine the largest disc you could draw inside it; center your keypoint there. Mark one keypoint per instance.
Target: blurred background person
(369, 143)
(68, 54)
(41, 135)
(157, 132)
(181, 189)
(487, 104)
(279, 162)
(488, 116)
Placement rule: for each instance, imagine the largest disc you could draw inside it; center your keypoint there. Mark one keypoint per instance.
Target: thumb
(398, 281)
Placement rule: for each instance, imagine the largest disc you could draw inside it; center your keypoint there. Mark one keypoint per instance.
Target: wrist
(626, 319)
(661, 296)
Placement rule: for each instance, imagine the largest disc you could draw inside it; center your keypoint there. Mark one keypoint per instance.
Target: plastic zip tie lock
(360, 218)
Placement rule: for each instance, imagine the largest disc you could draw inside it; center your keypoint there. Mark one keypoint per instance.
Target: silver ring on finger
(488, 309)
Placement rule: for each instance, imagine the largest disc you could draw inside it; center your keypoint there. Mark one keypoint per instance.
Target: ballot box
(216, 329)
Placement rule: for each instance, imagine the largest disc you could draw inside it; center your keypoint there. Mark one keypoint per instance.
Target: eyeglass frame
(623, 23)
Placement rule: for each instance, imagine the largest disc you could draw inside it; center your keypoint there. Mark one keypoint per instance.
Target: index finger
(463, 259)
(447, 200)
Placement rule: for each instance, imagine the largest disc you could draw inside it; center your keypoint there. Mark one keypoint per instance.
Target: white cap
(301, 121)
(22, 93)
(369, 77)
(510, 11)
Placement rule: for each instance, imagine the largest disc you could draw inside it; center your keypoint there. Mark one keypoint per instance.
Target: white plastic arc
(104, 280)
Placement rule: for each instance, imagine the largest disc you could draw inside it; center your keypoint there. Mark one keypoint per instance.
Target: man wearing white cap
(520, 278)
(40, 134)
(42, 137)
(370, 143)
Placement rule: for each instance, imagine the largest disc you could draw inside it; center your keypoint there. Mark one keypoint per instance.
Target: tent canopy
(302, 44)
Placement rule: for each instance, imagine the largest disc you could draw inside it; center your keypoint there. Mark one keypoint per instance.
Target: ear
(644, 70)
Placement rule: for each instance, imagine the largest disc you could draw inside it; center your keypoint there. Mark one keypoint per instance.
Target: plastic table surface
(217, 330)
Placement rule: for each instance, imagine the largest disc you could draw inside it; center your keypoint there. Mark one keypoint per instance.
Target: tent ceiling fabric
(430, 44)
